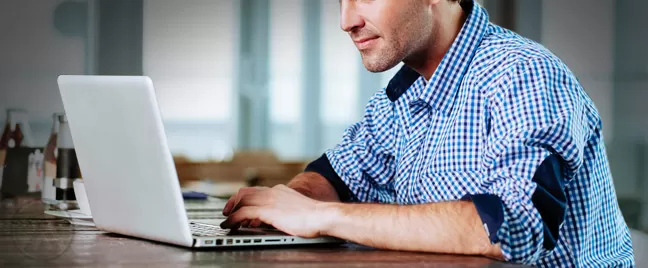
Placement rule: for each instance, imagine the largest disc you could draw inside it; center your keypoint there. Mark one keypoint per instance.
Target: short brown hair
(466, 5)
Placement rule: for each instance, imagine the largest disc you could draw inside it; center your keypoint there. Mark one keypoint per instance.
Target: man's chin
(376, 62)
(377, 66)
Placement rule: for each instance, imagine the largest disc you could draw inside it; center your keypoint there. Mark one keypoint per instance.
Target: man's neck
(427, 61)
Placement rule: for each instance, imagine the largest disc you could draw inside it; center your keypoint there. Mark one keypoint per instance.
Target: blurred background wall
(281, 75)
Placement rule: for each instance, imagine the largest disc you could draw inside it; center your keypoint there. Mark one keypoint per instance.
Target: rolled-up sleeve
(540, 124)
(363, 161)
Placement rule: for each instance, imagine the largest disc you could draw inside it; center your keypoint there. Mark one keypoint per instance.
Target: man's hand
(280, 206)
(448, 227)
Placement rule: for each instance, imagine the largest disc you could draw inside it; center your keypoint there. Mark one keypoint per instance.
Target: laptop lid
(129, 173)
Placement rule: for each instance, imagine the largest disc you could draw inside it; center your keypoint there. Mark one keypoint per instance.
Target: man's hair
(465, 4)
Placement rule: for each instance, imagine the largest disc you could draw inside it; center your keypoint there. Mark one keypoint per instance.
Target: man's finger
(255, 223)
(231, 203)
(245, 213)
(233, 200)
(228, 205)
(245, 223)
(258, 198)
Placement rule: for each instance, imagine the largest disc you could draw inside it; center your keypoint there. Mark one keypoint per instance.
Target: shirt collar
(440, 90)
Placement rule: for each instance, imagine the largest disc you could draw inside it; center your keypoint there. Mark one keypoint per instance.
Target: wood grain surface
(28, 237)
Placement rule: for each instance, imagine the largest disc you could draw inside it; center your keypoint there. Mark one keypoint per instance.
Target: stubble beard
(382, 59)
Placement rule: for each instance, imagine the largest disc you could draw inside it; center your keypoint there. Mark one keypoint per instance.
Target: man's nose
(350, 19)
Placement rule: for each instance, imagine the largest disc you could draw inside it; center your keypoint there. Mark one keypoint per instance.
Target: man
(484, 143)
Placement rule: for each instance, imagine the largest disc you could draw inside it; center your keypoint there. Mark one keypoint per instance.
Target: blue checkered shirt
(504, 123)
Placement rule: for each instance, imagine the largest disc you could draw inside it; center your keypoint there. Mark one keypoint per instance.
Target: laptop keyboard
(204, 230)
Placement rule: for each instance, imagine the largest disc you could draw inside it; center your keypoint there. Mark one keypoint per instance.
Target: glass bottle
(48, 192)
(67, 167)
(16, 133)
(12, 136)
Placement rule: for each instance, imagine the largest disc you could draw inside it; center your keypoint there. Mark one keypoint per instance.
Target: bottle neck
(64, 136)
(13, 117)
(55, 123)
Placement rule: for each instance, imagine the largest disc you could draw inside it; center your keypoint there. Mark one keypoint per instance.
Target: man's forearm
(450, 227)
(315, 186)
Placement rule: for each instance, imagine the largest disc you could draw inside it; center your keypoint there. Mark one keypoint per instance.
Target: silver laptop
(129, 173)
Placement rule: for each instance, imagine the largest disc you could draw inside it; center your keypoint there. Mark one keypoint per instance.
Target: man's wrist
(330, 214)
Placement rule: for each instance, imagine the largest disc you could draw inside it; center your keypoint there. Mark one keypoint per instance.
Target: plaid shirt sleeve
(364, 160)
(535, 114)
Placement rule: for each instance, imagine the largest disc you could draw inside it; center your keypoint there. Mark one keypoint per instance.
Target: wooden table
(28, 237)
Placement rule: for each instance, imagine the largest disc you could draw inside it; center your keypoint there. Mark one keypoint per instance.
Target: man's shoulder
(502, 52)
(506, 60)
(502, 44)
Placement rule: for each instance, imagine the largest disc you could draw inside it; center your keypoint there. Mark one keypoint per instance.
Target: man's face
(387, 31)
